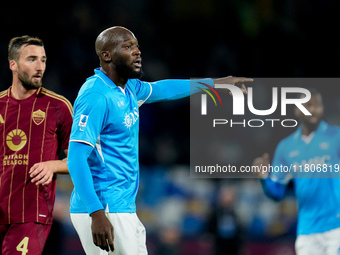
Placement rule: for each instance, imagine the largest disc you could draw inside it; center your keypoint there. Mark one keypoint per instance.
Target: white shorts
(129, 234)
(326, 243)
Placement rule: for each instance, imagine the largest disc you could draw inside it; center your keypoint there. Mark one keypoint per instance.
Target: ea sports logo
(16, 139)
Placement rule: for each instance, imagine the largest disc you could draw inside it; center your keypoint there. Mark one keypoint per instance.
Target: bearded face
(30, 66)
(28, 80)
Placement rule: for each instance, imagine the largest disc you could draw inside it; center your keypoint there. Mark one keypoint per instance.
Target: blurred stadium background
(185, 39)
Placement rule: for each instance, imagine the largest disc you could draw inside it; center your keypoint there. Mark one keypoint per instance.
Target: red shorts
(23, 238)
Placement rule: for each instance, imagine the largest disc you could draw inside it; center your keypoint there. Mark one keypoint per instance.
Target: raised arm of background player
(273, 188)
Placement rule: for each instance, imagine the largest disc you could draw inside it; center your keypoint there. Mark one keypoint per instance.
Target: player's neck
(308, 130)
(19, 92)
(117, 80)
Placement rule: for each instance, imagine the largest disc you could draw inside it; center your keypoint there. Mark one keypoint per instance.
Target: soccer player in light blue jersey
(313, 150)
(103, 152)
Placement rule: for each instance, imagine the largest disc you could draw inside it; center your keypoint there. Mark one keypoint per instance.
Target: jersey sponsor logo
(16, 139)
(16, 159)
(131, 118)
(38, 117)
(83, 120)
(1, 119)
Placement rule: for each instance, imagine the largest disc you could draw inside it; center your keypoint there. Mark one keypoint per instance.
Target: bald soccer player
(103, 150)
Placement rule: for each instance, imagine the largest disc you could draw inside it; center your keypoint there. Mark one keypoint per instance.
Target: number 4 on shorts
(22, 246)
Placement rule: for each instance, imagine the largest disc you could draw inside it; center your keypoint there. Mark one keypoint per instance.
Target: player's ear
(13, 65)
(106, 56)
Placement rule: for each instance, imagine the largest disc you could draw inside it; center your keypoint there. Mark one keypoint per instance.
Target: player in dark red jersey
(35, 125)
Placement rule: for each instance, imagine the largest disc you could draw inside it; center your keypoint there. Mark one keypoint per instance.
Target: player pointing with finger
(103, 155)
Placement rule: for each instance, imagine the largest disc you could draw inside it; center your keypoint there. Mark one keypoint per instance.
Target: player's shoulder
(133, 81)
(137, 82)
(4, 94)
(54, 96)
(93, 90)
(94, 85)
(132, 84)
(290, 141)
(330, 129)
(137, 85)
(58, 99)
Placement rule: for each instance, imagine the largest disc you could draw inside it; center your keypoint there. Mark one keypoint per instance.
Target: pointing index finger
(243, 79)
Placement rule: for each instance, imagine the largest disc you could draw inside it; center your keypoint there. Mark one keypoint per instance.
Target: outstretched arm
(177, 89)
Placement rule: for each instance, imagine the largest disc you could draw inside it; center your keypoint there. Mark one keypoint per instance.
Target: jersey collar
(106, 80)
(321, 128)
(9, 94)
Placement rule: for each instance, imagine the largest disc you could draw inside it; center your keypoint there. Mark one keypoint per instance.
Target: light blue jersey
(318, 198)
(106, 118)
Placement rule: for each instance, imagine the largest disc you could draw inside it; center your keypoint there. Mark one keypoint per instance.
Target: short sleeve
(90, 112)
(65, 123)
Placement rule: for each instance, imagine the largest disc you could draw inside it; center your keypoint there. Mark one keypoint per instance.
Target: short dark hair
(15, 44)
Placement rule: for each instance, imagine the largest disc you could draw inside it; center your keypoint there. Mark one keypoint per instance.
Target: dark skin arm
(102, 231)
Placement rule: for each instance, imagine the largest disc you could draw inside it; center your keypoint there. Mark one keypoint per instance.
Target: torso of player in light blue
(114, 161)
(318, 198)
(107, 118)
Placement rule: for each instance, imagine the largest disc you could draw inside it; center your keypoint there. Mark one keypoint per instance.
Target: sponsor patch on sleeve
(83, 120)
